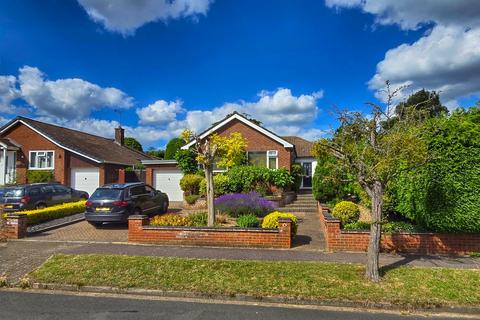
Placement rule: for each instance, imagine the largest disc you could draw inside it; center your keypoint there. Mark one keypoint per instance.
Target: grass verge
(405, 286)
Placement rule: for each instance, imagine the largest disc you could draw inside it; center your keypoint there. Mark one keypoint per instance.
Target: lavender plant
(237, 204)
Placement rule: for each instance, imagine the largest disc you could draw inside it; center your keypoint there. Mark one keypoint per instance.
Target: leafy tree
(374, 154)
(187, 161)
(172, 147)
(224, 149)
(160, 154)
(423, 103)
(133, 143)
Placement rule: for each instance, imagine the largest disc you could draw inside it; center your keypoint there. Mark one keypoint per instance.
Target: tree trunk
(372, 270)
(210, 195)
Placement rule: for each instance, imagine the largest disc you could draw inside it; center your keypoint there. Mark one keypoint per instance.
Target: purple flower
(236, 204)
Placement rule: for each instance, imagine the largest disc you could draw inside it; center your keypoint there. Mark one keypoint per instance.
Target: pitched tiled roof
(94, 147)
(303, 147)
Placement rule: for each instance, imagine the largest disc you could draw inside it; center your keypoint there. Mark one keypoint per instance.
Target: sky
(156, 67)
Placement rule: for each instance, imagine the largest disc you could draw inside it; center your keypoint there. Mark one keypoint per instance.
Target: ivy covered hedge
(54, 212)
(444, 195)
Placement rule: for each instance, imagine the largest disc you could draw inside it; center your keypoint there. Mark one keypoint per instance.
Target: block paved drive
(83, 231)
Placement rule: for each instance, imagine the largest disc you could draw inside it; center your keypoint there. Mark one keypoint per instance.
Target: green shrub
(247, 221)
(443, 195)
(252, 178)
(54, 212)
(169, 220)
(36, 176)
(192, 198)
(400, 226)
(199, 219)
(271, 220)
(190, 184)
(221, 184)
(186, 160)
(358, 225)
(346, 211)
(297, 173)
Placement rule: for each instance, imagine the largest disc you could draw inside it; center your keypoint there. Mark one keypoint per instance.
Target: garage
(85, 179)
(168, 181)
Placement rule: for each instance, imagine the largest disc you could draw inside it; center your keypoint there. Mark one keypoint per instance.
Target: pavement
(32, 305)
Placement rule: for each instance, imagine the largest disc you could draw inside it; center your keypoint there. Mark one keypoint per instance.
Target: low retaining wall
(15, 226)
(140, 231)
(416, 243)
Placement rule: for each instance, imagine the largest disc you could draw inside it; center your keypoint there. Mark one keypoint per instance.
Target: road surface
(26, 305)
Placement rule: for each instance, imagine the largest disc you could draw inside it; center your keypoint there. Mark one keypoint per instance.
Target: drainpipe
(5, 166)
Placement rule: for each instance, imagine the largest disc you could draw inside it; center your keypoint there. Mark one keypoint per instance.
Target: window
(268, 159)
(138, 190)
(41, 160)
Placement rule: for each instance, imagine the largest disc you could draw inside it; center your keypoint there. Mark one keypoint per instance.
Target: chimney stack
(119, 135)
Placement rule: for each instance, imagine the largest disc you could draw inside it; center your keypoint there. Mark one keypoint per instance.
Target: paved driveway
(83, 231)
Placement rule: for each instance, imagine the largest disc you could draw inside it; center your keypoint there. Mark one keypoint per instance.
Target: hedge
(444, 194)
(54, 212)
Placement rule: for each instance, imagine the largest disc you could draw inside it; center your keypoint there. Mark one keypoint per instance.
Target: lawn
(405, 286)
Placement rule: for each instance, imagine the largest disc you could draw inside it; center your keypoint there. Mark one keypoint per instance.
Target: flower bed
(237, 204)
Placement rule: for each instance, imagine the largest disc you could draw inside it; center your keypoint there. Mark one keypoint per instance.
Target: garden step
(297, 209)
(305, 203)
(294, 204)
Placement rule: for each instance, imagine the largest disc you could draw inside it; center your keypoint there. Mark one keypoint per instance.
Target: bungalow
(265, 148)
(78, 159)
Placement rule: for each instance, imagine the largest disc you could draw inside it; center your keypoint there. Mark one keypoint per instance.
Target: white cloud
(125, 16)
(67, 98)
(160, 112)
(3, 121)
(445, 59)
(280, 109)
(8, 93)
(411, 14)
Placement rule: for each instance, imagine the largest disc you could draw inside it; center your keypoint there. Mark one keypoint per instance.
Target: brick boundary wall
(402, 242)
(140, 231)
(15, 226)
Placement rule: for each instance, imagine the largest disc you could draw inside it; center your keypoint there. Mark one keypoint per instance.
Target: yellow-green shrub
(169, 220)
(54, 212)
(190, 184)
(346, 211)
(271, 220)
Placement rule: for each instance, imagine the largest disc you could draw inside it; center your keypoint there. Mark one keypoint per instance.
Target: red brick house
(78, 159)
(265, 148)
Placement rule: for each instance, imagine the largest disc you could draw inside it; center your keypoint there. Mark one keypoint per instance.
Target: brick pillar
(121, 176)
(16, 226)
(135, 226)
(286, 230)
(149, 176)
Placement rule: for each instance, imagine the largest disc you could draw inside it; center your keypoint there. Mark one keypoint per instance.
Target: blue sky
(159, 66)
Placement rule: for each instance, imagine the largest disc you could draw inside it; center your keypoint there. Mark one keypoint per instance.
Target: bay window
(41, 160)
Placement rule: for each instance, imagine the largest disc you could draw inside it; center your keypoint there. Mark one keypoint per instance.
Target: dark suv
(38, 196)
(115, 202)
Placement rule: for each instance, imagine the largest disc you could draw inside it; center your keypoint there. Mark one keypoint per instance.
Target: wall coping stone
(218, 229)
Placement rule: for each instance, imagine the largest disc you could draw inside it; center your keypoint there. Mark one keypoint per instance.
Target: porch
(8, 159)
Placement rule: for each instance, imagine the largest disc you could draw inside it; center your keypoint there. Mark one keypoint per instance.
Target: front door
(307, 175)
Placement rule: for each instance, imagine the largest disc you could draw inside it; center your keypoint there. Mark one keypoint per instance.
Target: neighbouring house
(78, 159)
(265, 148)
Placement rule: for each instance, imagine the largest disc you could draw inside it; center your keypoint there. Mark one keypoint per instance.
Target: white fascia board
(269, 134)
(51, 140)
(159, 161)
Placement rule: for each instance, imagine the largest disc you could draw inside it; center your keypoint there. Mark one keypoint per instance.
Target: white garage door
(85, 179)
(168, 181)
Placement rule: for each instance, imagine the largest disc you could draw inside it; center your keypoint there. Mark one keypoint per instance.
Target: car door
(47, 195)
(62, 194)
(138, 195)
(154, 199)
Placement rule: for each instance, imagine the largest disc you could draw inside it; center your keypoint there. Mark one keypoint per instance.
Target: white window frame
(37, 151)
(275, 154)
(268, 156)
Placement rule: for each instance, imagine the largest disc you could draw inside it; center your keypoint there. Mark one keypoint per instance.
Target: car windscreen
(13, 192)
(107, 194)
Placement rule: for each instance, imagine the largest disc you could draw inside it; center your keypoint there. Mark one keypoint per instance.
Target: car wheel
(137, 211)
(83, 197)
(96, 224)
(40, 206)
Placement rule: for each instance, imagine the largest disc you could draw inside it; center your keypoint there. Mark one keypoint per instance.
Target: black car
(115, 202)
(38, 196)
